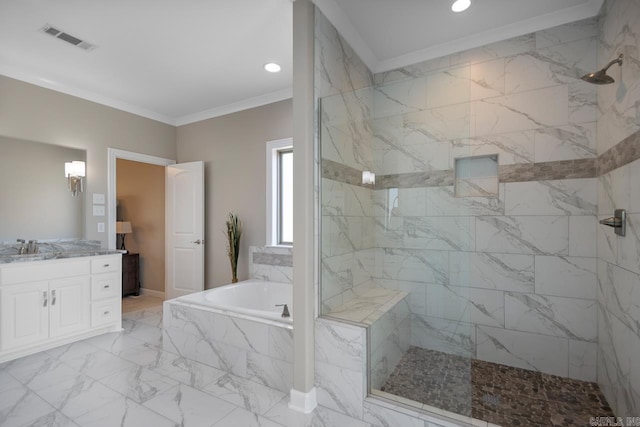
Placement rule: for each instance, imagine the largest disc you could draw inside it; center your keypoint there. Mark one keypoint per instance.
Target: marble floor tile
(152, 320)
(147, 333)
(252, 396)
(144, 354)
(114, 342)
(73, 350)
(53, 419)
(321, 417)
(99, 364)
(78, 395)
(7, 383)
(124, 413)
(242, 417)
(39, 371)
(21, 406)
(189, 407)
(138, 383)
(186, 371)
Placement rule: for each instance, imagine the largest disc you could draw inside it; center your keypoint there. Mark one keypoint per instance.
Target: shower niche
(476, 176)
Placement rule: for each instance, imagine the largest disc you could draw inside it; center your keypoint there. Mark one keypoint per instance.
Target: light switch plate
(98, 210)
(98, 199)
(101, 227)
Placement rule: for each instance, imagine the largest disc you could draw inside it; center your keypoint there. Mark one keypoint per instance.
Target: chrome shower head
(601, 77)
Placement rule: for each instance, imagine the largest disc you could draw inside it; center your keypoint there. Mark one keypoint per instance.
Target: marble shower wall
(508, 279)
(619, 257)
(344, 88)
(271, 263)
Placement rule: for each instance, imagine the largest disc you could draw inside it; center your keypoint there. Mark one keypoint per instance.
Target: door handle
(45, 298)
(198, 242)
(53, 297)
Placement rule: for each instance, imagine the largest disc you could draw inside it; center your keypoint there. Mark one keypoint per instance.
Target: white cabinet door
(24, 314)
(70, 305)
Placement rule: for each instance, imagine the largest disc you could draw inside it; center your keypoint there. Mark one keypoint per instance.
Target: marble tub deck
(495, 393)
(127, 379)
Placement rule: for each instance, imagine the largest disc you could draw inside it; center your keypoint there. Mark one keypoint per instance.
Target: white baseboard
(152, 293)
(303, 402)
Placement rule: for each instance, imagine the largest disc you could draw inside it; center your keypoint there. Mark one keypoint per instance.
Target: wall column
(303, 393)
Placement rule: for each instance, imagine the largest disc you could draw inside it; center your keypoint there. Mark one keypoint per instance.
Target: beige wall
(32, 181)
(140, 194)
(233, 148)
(33, 113)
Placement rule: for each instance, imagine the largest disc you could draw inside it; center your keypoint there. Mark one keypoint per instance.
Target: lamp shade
(74, 169)
(123, 227)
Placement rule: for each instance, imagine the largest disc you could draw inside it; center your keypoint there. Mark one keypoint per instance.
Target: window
(280, 192)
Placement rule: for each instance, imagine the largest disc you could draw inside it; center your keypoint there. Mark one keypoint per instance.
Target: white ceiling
(169, 60)
(389, 34)
(184, 61)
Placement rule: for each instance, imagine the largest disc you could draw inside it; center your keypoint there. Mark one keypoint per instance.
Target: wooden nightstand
(130, 274)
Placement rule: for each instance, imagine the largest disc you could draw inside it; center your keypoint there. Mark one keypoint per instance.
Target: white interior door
(184, 229)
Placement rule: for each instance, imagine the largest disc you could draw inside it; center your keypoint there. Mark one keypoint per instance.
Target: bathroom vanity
(53, 299)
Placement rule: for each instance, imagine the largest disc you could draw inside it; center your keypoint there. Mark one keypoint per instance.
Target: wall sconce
(368, 177)
(75, 171)
(122, 229)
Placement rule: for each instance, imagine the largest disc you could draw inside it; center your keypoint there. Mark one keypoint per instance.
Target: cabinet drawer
(105, 264)
(42, 270)
(105, 312)
(105, 286)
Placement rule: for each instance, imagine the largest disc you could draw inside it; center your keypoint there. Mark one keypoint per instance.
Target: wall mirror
(35, 200)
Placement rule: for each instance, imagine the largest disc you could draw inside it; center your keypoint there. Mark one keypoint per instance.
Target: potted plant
(234, 231)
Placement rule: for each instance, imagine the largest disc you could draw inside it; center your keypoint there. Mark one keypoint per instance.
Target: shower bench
(385, 315)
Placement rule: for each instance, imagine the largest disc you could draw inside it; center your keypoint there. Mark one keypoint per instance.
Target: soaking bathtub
(253, 299)
(236, 328)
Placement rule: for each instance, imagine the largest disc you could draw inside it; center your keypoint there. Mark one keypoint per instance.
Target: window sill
(279, 246)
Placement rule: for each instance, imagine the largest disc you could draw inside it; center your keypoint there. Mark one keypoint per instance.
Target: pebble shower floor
(496, 393)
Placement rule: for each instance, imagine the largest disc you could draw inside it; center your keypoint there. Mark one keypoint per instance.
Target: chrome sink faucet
(30, 247)
(23, 248)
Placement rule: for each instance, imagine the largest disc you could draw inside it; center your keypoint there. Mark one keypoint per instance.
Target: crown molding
(542, 22)
(84, 94)
(338, 18)
(138, 111)
(246, 104)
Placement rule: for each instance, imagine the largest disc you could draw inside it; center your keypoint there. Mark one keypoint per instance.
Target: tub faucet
(285, 310)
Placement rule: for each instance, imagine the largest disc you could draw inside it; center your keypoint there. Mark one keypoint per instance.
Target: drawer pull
(106, 265)
(105, 313)
(106, 286)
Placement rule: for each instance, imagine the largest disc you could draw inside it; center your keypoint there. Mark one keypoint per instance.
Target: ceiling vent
(59, 34)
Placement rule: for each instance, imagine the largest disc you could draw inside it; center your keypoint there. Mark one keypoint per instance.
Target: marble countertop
(54, 249)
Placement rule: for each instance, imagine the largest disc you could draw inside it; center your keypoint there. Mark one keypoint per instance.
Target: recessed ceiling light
(460, 5)
(272, 67)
